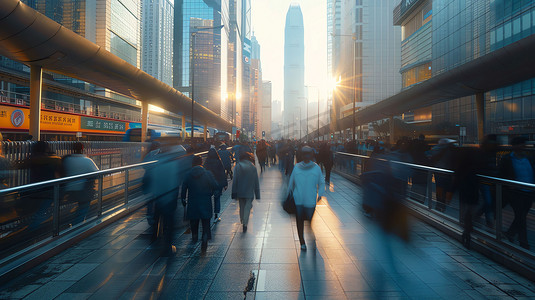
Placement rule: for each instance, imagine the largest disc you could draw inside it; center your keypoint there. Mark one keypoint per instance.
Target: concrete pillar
(480, 107)
(144, 120)
(183, 131)
(392, 137)
(36, 88)
(205, 134)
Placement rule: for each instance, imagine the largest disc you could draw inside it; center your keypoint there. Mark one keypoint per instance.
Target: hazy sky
(268, 18)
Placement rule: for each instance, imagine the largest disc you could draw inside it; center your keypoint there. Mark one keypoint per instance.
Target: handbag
(289, 204)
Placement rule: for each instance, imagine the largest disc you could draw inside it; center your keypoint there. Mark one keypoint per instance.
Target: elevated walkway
(346, 259)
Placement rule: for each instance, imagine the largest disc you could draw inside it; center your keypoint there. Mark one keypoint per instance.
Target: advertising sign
(18, 118)
(246, 50)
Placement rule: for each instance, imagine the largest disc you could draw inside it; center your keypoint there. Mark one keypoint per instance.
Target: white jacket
(306, 183)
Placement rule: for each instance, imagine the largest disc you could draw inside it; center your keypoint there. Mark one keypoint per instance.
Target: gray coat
(245, 184)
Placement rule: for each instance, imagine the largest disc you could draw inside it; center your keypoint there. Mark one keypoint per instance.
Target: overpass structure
(31, 38)
(500, 68)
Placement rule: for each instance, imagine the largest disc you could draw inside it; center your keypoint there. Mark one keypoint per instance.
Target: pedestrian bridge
(347, 258)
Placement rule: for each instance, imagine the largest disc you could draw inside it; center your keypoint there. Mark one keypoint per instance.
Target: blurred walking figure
(197, 190)
(43, 165)
(262, 154)
(443, 158)
(307, 186)
(213, 164)
(226, 159)
(325, 158)
(272, 154)
(166, 177)
(518, 166)
(467, 166)
(5, 167)
(245, 186)
(488, 167)
(81, 191)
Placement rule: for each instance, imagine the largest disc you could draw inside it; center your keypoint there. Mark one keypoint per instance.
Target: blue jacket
(213, 164)
(198, 187)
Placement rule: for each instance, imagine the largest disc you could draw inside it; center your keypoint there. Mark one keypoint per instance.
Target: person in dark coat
(466, 181)
(213, 164)
(519, 167)
(262, 154)
(197, 190)
(443, 157)
(226, 159)
(325, 158)
(43, 165)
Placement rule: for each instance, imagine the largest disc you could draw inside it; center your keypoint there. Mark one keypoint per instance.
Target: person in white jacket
(307, 186)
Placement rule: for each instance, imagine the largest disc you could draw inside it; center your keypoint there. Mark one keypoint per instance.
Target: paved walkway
(346, 259)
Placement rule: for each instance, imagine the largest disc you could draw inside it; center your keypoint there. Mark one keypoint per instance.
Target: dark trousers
(167, 219)
(328, 173)
(302, 214)
(194, 225)
(217, 200)
(521, 203)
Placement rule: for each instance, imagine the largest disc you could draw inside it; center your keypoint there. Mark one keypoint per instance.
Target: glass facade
(69, 13)
(125, 30)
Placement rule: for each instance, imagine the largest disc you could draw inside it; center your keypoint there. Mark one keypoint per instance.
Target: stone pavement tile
(71, 256)
(279, 295)
(120, 242)
(124, 256)
(77, 272)
(73, 296)
(139, 295)
(199, 268)
(99, 256)
(279, 242)
(433, 277)
(476, 295)
(50, 290)
(318, 275)
(42, 274)
(490, 290)
(355, 283)
(326, 297)
(186, 289)
(246, 242)
(247, 255)
(322, 288)
(376, 295)
(115, 287)
(516, 290)
(471, 279)
(18, 291)
(278, 277)
(449, 291)
(279, 256)
(228, 296)
(232, 277)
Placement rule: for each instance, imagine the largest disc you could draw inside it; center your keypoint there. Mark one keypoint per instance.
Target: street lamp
(192, 71)
(354, 38)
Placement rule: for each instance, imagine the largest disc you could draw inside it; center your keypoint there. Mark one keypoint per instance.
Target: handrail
(514, 183)
(47, 183)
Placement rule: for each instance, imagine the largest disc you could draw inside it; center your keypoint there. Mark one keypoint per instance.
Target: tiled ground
(347, 258)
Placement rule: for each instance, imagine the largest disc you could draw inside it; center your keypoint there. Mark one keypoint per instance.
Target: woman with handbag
(307, 186)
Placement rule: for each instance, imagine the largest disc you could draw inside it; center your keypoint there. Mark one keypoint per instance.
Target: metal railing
(425, 184)
(106, 155)
(37, 212)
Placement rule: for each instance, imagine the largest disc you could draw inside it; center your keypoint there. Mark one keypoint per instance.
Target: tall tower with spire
(294, 71)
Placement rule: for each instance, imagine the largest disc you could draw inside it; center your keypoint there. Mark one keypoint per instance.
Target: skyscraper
(192, 40)
(157, 39)
(294, 68)
(266, 108)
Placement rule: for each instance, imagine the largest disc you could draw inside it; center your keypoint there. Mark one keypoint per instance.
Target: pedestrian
(306, 186)
(43, 165)
(197, 190)
(80, 191)
(226, 159)
(489, 167)
(519, 167)
(245, 186)
(215, 166)
(262, 154)
(166, 180)
(325, 157)
(443, 157)
(467, 165)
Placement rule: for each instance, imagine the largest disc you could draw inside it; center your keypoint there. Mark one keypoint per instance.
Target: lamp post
(354, 38)
(192, 72)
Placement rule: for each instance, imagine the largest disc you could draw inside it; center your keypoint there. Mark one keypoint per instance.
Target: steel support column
(183, 131)
(205, 132)
(144, 120)
(392, 137)
(480, 106)
(36, 88)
